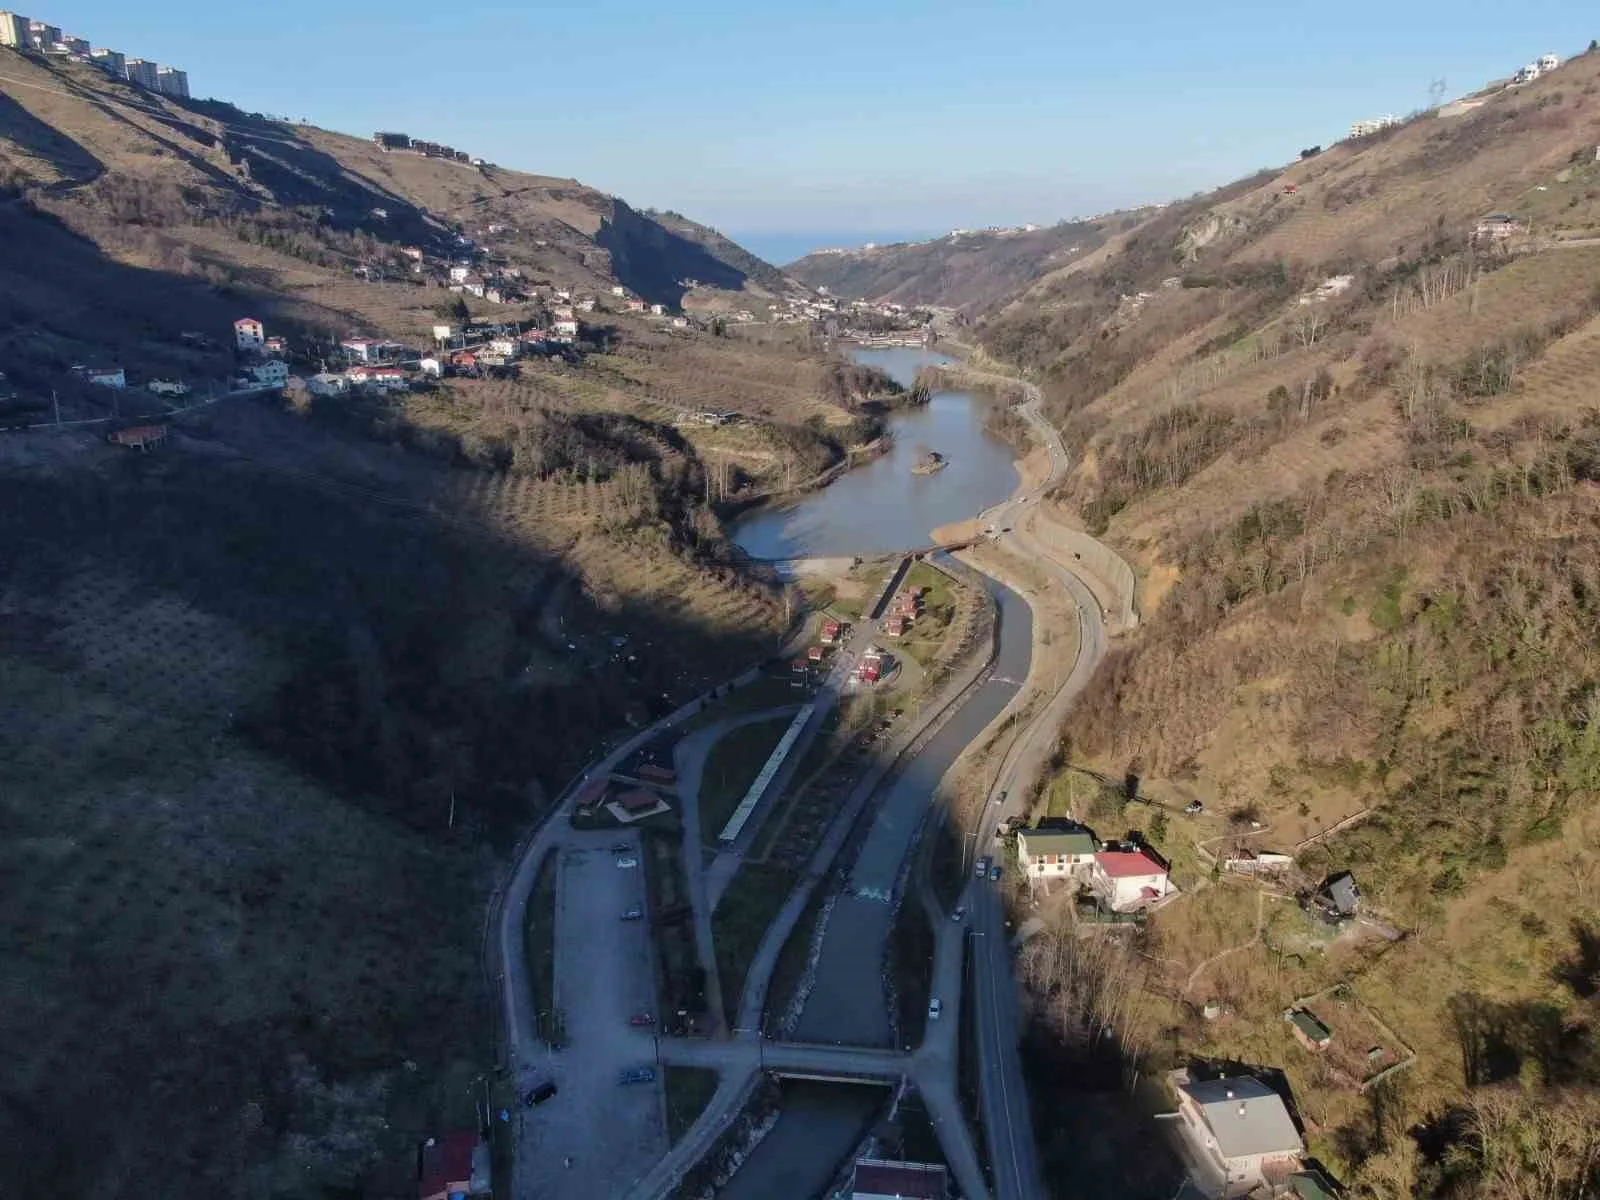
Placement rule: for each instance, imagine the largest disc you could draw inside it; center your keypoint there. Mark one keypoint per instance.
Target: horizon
(805, 146)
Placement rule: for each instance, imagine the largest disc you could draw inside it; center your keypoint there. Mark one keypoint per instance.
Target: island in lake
(929, 463)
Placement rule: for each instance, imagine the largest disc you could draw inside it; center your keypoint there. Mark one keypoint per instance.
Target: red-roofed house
(1127, 879)
(455, 1165)
(248, 334)
(880, 1179)
(638, 800)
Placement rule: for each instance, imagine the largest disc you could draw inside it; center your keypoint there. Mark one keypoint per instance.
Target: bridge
(790, 1060)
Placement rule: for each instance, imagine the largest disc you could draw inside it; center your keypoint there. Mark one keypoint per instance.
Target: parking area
(612, 1132)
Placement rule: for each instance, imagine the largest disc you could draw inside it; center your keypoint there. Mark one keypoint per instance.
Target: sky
(793, 125)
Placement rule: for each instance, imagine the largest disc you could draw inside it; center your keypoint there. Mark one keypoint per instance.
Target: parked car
(935, 1007)
(994, 872)
(633, 914)
(981, 868)
(628, 861)
(642, 1020)
(539, 1094)
(638, 1075)
(959, 914)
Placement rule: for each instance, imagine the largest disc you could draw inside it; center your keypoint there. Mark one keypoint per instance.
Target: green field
(731, 767)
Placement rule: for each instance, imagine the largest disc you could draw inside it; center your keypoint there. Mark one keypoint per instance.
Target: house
(1527, 74)
(473, 285)
(272, 373)
(1234, 1129)
(167, 387)
(414, 253)
(586, 304)
(327, 385)
(112, 62)
(564, 294)
(635, 306)
(638, 800)
(1257, 862)
(464, 359)
(680, 322)
(618, 290)
(1338, 898)
(15, 30)
(361, 349)
(110, 377)
(1129, 878)
(885, 1179)
(874, 665)
(248, 334)
(379, 379)
(1548, 63)
(831, 631)
(815, 653)
(453, 1166)
(1497, 225)
(658, 310)
(446, 333)
(140, 437)
(895, 627)
(1053, 853)
(143, 72)
(1308, 1030)
(507, 347)
(566, 328)
(431, 367)
(276, 345)
(459, 272)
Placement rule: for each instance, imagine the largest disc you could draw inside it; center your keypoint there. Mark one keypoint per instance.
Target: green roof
(1050, 841)
(1311, 1185)
(1308, 1024)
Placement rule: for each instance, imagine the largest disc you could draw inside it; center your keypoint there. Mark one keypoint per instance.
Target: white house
(431, 367)
(505, 346)
(327, 385)
(248, 334)
(445, 333)
(111, 377)
(618, 290)
(1055, 853)
(1548, 62)
(680, 322)
(14, 31)
(567, 328)
(586, 304)
(274, 372)
(459, 272)
(1126, 879)
(563, 293)
(362, 349)
(1233, 1129)
(382, 379)
(658, 310)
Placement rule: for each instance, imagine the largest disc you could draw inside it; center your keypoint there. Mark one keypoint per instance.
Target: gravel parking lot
(613, 1133)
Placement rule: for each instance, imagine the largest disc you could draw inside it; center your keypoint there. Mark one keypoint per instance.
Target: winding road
(980, 691)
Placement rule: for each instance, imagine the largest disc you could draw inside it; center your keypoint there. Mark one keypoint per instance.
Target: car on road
(641, 1020)
(982, 868)
(628, 861)
(540, 1094)
(638, 1075)
(621, 848)
(1193, 808)
(1001, 798)
(935, 1007)
(633, 914)
(959, 914)
(994, 872)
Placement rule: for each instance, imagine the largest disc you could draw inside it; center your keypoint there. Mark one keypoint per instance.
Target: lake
(881, 507)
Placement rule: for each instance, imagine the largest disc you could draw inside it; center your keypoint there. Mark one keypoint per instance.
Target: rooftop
(1123, 864)
(1245, 1116)
(910, 1181)
(1054, 841)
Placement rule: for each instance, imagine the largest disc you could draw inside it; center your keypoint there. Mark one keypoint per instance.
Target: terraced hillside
(1353, 444)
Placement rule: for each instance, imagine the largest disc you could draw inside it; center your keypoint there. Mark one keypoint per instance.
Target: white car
(935, 1007)
(628, 862)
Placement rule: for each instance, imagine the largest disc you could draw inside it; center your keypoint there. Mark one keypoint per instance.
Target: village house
(658, 310)
(1338, 899)
(618, 290)
(565, 328)
(506, 347)
(327, 385)
(1308, 1030)
(635, 305)
(431, 367)
(472, 285)
(564, 294)
(459, 272)
(1233, 1131)
(446, 333)
(276, 345)
(414, 253)
(680, 322)
(248, 334)
(895, 626)
(1055, 853)
(586, 304)
(140, 437)
(452, 1167)
(109, 377)
(1126, 879)
(379, 379)
(271, 373)
(371, 350)
(1497, 225)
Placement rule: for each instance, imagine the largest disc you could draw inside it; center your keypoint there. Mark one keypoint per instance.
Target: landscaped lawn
(689, 1090)
(747, 908)
(731, 767)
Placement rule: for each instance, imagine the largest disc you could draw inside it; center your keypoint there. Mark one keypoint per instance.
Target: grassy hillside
(969, 270)
(277, 697)
(1364, 521)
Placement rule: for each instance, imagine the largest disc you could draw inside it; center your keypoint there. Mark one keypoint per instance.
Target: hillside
(278, 695)
(969, 270)
(1352, 443)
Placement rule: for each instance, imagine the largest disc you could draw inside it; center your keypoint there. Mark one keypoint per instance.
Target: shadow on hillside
(653, 261)
(39, 140)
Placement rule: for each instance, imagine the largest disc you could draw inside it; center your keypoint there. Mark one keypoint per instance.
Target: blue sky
(828, 120)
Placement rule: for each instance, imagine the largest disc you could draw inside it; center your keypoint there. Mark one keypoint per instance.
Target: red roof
(446, 1165)
(245, 321)
(638, 798)
(1125, 864)
(591, 793)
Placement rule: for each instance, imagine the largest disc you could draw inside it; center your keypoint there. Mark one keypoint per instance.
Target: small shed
(1309, 1031)
(637, 800)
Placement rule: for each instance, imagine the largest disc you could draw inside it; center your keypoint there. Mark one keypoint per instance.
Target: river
(882, 507)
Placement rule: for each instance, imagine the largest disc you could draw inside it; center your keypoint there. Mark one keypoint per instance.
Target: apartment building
(143, 72)
(112, 62)
(172, 82)
(43, 36)
(15, 30)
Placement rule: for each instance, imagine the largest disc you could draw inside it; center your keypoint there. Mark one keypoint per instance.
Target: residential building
(658, 310)
(14, 30)
(446, 333)
(381, 379)
(1129, 878)
(885, 1179)
(327, 385)
(360, 349)
(111, 62)
(473, 285)
(505, 346)
(431, 367)
(1527, 74)
(635, 305)
(172, 82)
(273, 372)
(680, 322)
(140, 437)
(567, 328)
(76, 45)
(1308, 1030)
(43, 36)
(143, 72)
(452, 1167)
(248, 334)
(276, 345)
(111, 377)
(392, 141)
(586, 304)
(1548, 62)
(1497, 225)
(1234, 1129)
(459, 272)
(618, 290)
(1054, 853)
(1338, 899)
(414, 253)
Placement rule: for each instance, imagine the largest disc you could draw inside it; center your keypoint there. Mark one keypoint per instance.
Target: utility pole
(55, 403)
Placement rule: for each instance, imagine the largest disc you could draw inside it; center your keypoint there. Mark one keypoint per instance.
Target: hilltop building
(43, 36)
(172, 82)
(112, 62)
(14, 30)
(143, 72)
